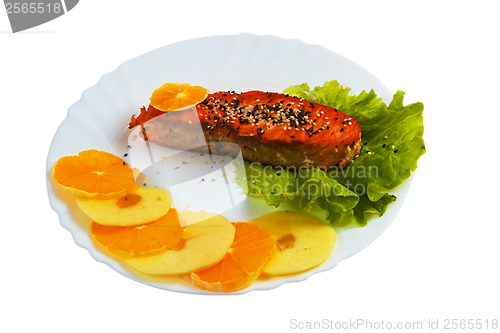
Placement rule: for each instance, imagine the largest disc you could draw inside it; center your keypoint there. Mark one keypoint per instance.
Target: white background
(438, 260)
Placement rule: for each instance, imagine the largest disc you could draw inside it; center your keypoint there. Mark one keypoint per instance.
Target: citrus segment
(252, 248)
(93, 173)
(177, 96)
(137, 206)
(147, 239)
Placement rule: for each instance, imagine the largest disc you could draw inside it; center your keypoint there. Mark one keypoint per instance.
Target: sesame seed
(261, 115)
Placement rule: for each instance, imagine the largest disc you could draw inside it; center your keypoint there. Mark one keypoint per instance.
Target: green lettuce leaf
(392, 144)
(309, 187)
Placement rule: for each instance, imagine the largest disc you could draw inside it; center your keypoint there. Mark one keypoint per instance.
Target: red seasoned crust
(270, 128)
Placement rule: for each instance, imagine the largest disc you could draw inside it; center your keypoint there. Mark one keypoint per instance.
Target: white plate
(241, 62)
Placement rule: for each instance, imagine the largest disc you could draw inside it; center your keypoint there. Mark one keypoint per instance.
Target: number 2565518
(32, 8)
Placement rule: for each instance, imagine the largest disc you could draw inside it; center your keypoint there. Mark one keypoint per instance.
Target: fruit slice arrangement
(139, 228)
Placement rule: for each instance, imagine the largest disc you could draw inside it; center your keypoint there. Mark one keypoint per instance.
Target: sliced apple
(303, 242)
(205, 244)
(188, 217)
(139, 206)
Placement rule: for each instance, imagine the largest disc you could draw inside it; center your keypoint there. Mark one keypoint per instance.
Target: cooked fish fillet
(270, 128)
